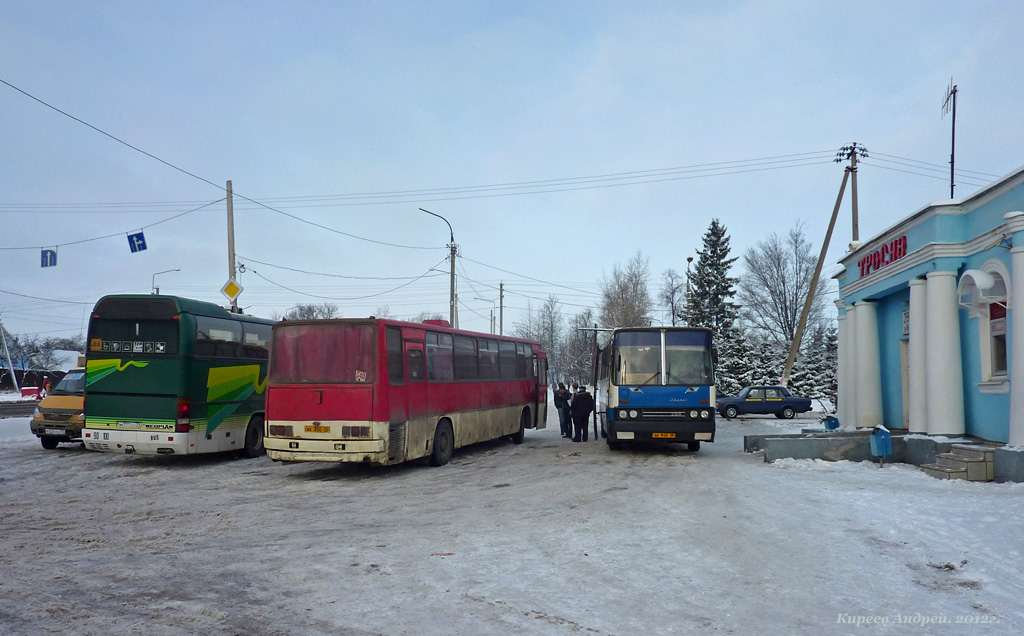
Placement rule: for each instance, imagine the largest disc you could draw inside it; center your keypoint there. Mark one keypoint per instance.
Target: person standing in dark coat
(582, 407)
(562, 406)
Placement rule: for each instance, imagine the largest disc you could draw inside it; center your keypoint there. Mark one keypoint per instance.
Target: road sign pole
(231, 246)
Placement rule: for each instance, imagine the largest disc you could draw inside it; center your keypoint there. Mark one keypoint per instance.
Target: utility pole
(850, 153)
(689, 259)
(846, 152)
(7, 355)
(501, 309)
(947, 105)
(231, 245)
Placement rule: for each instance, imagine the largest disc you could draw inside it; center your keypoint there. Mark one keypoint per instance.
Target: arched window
(985, 294)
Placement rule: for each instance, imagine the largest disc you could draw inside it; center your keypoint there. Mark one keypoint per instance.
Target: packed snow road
(550, 537)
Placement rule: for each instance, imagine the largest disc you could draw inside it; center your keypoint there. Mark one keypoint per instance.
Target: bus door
(540, 405)
(415, 379)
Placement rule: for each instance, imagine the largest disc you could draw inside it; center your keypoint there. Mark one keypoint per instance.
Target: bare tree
(625, 301)
(673, 293)
(384, 311)
(312, 311)
(428, 315)
(529, 325)
(774, 286)
(579, 347)
(551, 324)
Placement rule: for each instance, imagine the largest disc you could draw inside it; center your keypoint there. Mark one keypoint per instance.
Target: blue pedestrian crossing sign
(137, 242)
(49, 258)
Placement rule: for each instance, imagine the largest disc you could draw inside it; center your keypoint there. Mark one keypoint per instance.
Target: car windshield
(72, 384)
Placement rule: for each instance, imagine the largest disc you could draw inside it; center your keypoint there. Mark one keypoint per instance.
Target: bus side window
(523, 361)
(489, 359)
(396, 370)
(414, 361)
(507, 359)
(256, 340)
(218, 337)
(440, 366)
(466, 363)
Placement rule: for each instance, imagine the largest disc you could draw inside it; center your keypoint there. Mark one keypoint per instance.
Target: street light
(689, 259)
(453, 315)
(156, 290)
(494, 305)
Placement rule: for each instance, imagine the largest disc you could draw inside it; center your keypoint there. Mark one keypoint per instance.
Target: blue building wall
(890, 332)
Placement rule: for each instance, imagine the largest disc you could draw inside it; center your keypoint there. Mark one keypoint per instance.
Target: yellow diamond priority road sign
(231, 290)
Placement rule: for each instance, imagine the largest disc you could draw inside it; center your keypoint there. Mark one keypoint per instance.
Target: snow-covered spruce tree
(711, 288)
(733, 367)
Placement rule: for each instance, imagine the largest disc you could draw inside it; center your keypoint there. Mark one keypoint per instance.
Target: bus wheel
(49, 443)
(520, 435)
(444, 443)
(254, 437)
(613, 445)
(693, 447)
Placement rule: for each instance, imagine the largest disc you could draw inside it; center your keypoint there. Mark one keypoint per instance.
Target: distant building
(927, 339)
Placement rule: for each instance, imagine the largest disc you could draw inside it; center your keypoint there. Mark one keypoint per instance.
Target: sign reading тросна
(885, 255)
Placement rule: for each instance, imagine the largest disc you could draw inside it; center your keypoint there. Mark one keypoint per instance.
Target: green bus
(174, 376)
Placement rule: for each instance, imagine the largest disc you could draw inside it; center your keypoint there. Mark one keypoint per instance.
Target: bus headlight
(693, 415)
(632, 414)
(704, 414)
(623, 415)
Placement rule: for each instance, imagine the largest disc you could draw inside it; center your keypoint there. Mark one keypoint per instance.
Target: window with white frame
(984, 292)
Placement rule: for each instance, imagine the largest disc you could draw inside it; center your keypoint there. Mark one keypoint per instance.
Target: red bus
(385, 392)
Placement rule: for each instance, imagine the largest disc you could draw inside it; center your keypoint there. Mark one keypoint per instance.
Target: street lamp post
(494, 304)
(453, 314)
(155, 289)
(689, 259)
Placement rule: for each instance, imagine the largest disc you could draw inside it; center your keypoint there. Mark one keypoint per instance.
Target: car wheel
(788, 412)
(49, 443)
(693, 447)
(444, 443)
(254, 437)
(731, 412)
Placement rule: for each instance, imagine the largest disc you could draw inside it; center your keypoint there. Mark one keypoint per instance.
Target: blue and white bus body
(656, 384)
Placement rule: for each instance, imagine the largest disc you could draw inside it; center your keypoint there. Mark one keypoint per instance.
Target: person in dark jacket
(562, 406)
(582, 407)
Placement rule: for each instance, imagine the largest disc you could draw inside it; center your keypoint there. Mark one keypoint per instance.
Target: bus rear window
(335, 353)
(127, 337)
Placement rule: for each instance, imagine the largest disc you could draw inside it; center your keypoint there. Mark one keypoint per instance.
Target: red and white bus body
(382, 391)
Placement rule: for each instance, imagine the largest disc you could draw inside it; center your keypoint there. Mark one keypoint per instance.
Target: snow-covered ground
(549, 537)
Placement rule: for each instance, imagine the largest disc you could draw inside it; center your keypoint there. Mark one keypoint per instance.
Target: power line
(303, 271)
(345, 299)
(523, 275)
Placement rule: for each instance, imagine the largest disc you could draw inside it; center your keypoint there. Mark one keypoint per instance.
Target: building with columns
(926, 320)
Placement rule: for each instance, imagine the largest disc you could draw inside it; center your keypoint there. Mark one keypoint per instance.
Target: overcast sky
(557, 138)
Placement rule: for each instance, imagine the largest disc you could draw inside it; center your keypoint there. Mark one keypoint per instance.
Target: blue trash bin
(881, 443)
(831, 423)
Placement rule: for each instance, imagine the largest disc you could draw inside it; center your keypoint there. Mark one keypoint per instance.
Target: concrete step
(974, 451)
(943, 472)
(976, 469)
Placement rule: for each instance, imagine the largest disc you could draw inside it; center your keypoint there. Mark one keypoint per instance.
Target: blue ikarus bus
(657, 384)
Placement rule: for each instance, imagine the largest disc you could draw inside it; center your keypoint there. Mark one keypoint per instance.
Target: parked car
(776, 400)
(60, 416)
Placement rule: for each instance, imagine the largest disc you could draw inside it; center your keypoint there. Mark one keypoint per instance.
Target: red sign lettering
(885, 255)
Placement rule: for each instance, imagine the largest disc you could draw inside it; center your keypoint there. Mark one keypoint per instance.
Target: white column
(1017, 342)
(844, 353)
(869, 368)
(942, 358)
(851, 366)
(918, 369)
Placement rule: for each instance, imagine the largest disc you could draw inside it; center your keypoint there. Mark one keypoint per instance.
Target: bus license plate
(54, 431)
(318, 429)
(663, 435)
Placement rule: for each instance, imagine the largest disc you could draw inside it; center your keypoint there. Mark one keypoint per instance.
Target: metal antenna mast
(950, 105)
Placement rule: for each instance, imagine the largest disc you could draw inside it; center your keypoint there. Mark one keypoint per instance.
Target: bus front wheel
(693, 447)
(254, 437)
(49, 443)
(444, 443)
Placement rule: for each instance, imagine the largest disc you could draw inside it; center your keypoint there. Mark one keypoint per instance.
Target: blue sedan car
(762, 400)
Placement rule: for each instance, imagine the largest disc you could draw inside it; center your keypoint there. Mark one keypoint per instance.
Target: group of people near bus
(574, 409)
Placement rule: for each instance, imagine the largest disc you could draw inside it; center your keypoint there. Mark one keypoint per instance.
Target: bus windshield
(638, 358)
(323, 353)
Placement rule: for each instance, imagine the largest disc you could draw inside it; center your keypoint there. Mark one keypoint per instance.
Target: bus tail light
(183, 419)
